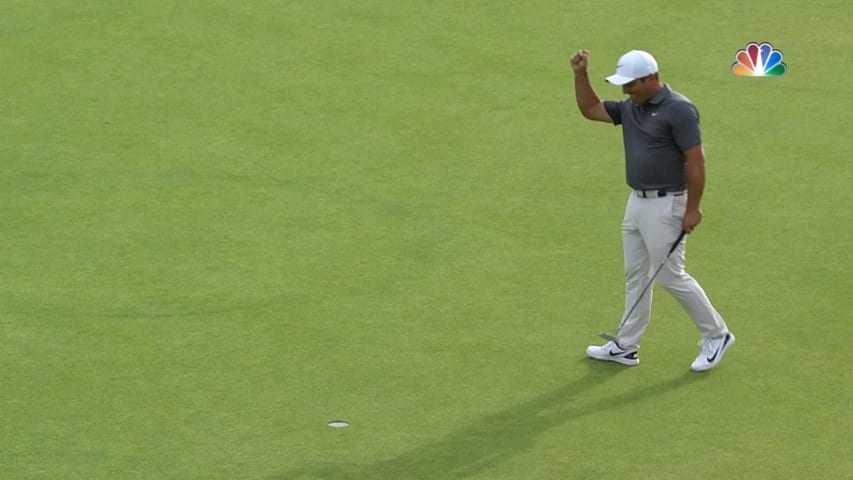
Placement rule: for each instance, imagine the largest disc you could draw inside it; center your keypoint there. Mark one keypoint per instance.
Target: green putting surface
(226, 224)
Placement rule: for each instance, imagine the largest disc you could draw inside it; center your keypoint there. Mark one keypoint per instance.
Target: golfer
(665, 168)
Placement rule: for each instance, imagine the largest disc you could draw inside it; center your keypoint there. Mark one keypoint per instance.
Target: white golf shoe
(612, 352)
(711, 352)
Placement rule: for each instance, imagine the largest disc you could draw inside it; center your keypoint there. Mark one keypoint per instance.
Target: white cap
(633, 65)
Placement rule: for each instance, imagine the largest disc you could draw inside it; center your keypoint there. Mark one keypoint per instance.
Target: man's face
(640, 90)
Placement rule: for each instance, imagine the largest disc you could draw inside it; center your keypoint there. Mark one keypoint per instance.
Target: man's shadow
(496, 437)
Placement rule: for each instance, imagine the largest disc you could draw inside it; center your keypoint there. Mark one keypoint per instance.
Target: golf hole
(339, 424)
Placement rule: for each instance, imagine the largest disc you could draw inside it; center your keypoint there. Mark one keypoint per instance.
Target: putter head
(608, 336)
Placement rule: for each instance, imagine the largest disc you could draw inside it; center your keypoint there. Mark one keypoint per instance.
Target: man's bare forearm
(584, 93)
(694, 172)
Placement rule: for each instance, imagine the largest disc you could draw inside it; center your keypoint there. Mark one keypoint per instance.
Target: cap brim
(618, 79)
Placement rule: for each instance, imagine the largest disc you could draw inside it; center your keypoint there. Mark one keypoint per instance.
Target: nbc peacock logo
(759, 60)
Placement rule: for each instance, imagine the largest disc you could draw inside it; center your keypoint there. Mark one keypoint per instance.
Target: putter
(612, 338)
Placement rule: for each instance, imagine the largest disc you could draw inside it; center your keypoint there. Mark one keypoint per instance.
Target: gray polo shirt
(655, 135)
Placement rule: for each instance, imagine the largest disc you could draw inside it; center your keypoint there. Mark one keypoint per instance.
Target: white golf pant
(649, 228)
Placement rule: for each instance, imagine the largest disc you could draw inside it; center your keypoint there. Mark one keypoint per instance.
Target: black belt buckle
(655, 193)
(652, 193)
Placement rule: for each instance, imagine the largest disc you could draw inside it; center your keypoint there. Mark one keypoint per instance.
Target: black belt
(657, 193)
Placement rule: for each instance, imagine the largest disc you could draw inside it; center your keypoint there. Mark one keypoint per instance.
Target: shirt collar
(660, 96)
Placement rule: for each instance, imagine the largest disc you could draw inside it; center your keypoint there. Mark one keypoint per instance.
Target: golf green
(226, 224)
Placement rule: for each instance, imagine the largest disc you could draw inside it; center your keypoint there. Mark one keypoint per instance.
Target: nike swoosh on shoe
(719, 349)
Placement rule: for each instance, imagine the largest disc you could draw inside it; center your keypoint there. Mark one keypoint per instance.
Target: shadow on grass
(497, 437)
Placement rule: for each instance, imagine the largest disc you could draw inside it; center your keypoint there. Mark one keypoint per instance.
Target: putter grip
(677, 241)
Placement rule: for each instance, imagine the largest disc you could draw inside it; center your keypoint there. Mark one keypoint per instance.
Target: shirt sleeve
(685, 126)
(614, 110)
